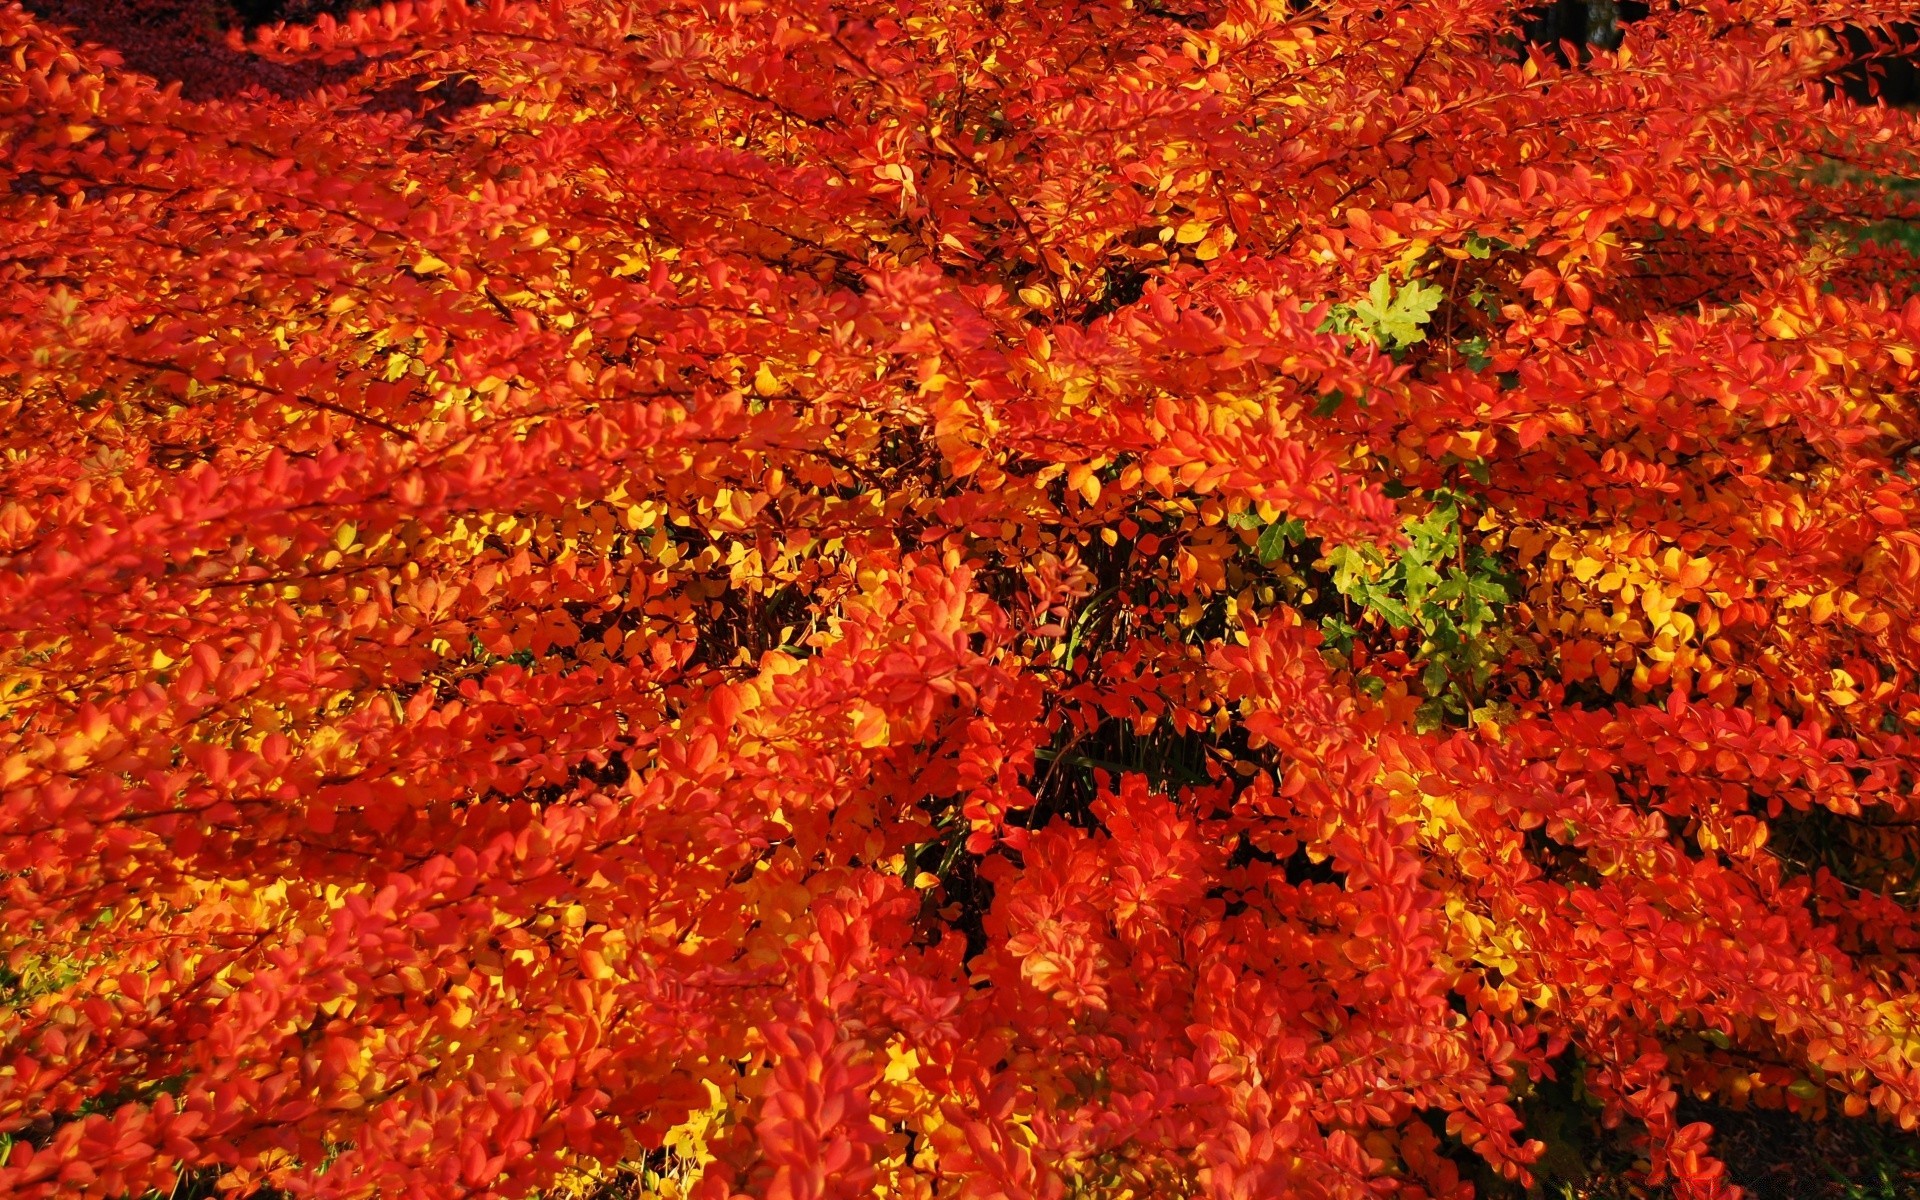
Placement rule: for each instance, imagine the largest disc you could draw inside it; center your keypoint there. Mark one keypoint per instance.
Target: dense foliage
(962, 598)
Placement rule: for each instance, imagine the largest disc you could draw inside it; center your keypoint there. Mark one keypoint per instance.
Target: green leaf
(1275, 539)
(1418, 577)
(1445, 591)
(1489, 591)
(1396, 319)
(1272, 543)
(1339, 319)
(1475, 350)
(1392, 610)
(1337, 634)
(1083, 621)
(1380, 293)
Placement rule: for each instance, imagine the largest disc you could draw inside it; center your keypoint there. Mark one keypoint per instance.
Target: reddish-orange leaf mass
(966, 598)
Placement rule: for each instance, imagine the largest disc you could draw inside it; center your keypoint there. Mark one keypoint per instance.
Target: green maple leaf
(1395, 318)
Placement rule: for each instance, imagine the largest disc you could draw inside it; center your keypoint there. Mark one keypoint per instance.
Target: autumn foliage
(966, 598)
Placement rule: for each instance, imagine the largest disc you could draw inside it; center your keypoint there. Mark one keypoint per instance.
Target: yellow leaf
(1191, 232)
(427, 264)
(870, 728)
(765, 381)
(900, 1065)
(594, 966)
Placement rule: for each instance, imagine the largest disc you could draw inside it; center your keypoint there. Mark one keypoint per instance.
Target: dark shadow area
(1580, 24)
(185, 41)
(1777, 1155)
(1885, 66)
(267, 12)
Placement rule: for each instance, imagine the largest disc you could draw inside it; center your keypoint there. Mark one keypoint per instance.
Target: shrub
(1007, 598)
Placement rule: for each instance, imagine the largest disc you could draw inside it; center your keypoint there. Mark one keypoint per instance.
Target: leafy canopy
(813, 598)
